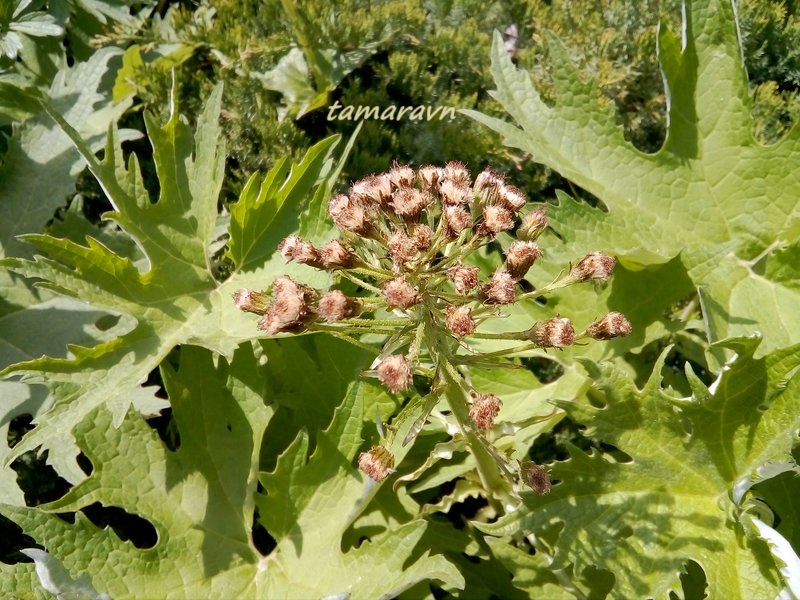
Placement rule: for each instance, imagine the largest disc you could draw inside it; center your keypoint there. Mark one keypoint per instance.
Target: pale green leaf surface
(673, 501)
(310, 502)
(39, 170)
(176, 300)
(695, 197)
(199, 498)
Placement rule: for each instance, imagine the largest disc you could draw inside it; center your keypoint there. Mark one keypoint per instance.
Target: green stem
(488, 469)
(510, 335)
(463, 359)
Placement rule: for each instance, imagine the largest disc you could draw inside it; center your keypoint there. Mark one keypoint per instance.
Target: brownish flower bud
(373, 188)
(500, 289)
(335, 255)
(349, 215)
(535, 477)
(452, 193)
(398, 293)
(487, 186)
(484, 410)
(459, 320)
(422, 235)
(511, 198)
(395, 373)
(401, 176)
(409, 202)
(594, 265)
(251, 301)
(611, 326)
(496, 219)
(402, 247)
(377, 464)
(291, 308)
(457, 219)
(335, 306)
(520, 257)
(429, 176)
(533, 224)
(458, 173)
(294, 248)
(553, 333)
(463, 278)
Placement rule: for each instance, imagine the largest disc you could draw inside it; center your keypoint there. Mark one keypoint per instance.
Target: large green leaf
(711, 195)
(175, 299)
(200, 499)
(676, 497)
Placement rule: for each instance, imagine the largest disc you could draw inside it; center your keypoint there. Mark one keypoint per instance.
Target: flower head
(395, 373)
(398, 293)
(553, 333)
(594, 265)
(500, 289)
(377, 464)
(459, 320)
(533, 224)
(335, 306)
(520, 257)
(611, 326)
(291, 308)
(251, 301)
(484, 410)
(535, 477)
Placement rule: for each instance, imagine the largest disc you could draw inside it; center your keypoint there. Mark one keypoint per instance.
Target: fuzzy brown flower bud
(457, 172)
(533, 224)
(349, 215)
(401, 176)
(335, 306)
(594, 265)
(453, 194)
(459, 320)
(422, 235)
(496, 219)
(291, 308)
(511, 198)
(500, 289)
(611, 326)
(248, 300)
(377, 464)
(398, 293)
(395, 373)
(535, 477)
(520, 257)
(402, 247)
(294, 248)
(457, 219)
(335, 255)
(484, 410)
(373, 188)
(429, 176)
(463, 278)
(409, 202)
(553, 333)
(487, 186)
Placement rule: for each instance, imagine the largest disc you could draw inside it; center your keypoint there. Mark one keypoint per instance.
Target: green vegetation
(157, 443)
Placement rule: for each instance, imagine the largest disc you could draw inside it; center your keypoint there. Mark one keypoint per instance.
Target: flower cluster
(402, 260)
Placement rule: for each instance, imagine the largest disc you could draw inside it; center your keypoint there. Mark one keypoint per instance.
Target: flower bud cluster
(402, 261)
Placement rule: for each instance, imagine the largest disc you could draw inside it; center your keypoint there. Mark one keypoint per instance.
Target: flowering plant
(406, 242)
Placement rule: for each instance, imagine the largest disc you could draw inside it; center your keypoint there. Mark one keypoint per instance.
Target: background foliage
(154, 444)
